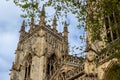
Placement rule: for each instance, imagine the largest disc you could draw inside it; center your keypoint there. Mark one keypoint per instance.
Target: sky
(10, 23)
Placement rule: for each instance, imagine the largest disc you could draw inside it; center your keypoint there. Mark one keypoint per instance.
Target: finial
(32, 21)
(65, 27)
(23, 26)
(31, 24)
(54, 22)
(42, 16)
(22, 31)
(65, 24)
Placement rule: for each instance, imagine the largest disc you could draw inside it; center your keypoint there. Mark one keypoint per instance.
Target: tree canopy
(88, 12)
(31, 8)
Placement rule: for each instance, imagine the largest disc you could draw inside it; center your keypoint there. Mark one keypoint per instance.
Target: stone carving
(90, 56)
(97, 45)
(90, 65)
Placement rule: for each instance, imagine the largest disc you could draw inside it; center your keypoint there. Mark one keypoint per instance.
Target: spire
(43, 11)
(66, 37)
(22, 31)
(66, 31)
(23, 27)
(54, 23)
(42, 17)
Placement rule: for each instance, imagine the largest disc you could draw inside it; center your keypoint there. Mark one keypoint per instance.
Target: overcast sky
(10, 22)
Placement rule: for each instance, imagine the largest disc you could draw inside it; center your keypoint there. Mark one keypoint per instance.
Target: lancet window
(50, 64)
(28, 68)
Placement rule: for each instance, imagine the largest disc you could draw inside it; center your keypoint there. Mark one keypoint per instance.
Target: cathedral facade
(42, 53)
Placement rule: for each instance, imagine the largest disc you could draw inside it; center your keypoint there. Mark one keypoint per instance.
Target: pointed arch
(112, 72)
(27, 66)
(50, 64)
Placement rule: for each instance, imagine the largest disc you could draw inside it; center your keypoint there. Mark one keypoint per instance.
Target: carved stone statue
(90, 65)
(90, 56)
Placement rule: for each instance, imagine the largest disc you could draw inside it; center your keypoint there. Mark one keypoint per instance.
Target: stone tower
(38, 49)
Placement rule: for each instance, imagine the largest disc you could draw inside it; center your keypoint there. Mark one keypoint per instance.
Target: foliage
(30, 8)
(93, 18)
(64, 7)
(97, 11)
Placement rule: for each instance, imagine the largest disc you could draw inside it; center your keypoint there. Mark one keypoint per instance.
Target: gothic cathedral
(42, 53)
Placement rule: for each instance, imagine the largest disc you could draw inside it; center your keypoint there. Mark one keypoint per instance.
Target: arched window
(112, 28)
(28, 67)
(50, 64)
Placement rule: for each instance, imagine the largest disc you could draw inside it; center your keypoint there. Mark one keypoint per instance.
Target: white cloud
(4, 76)
(8, 42)
(4, 64)
(4, 69)
(9, 27)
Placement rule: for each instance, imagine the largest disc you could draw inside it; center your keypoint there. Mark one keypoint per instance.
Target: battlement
(46, 28)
